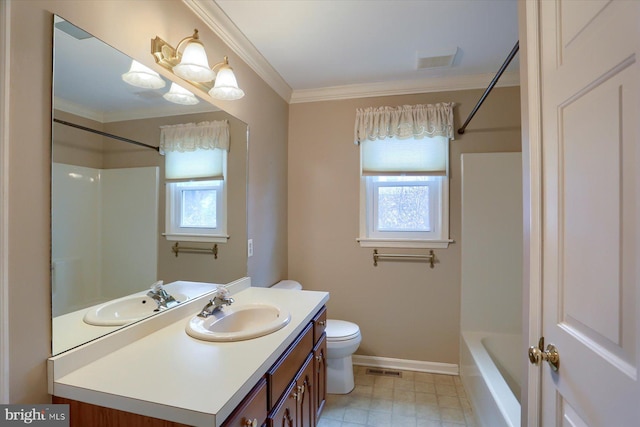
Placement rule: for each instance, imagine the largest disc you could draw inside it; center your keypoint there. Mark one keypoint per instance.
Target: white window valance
(406, 121)
(194, 136)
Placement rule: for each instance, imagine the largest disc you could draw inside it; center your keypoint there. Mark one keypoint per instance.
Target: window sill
(393, 243)
(196, 238)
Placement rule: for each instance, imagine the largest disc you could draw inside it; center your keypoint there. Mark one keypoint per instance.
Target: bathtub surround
(406, 311)
(491, 341)
(492, 242)
(107, 220)
(483, 376)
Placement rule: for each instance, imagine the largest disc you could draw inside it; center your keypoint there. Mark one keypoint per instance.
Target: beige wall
(127, 26)
(404, 310)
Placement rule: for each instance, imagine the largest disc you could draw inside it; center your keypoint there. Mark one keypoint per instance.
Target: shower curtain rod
(491, 85)
(99, 132)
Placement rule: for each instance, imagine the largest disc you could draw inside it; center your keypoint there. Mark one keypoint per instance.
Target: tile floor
(417, 399)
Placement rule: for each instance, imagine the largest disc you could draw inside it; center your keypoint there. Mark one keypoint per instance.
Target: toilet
(343, 339)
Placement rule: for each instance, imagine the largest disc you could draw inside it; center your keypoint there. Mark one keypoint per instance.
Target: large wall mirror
(108, 192)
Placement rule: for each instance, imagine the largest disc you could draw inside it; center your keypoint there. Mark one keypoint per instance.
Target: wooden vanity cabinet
(252, 411)
(291, 394)
(297, 381)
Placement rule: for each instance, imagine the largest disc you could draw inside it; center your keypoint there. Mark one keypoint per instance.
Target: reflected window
(196, 211)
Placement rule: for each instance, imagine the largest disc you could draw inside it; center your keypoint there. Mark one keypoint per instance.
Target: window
(405, 193)
(196, 211)
(404, 207)
(404, 184)
(195, 170)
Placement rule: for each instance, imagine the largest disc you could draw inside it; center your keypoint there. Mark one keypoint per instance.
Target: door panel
(591, 228)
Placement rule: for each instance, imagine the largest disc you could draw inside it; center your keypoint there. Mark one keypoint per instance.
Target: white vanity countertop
(170, 375)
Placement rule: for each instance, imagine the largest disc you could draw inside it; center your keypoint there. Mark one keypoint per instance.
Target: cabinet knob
(251, 423)
(322, 323)
(319, 358)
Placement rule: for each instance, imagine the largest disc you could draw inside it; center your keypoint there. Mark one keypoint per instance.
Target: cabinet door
(284, 415)
(252, 411)
(306, 408)
(320, 376)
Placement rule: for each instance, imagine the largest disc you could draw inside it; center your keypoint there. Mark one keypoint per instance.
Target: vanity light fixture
(142, 76)
(189, 61)
(179, 95)
(193, 64)
(226, 85)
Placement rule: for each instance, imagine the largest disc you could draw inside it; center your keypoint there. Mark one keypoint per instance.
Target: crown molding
(215, 18)
(137, 114)
(78, 110)
(404, 87)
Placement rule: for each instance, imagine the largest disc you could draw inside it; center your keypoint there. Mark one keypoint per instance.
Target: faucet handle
(157, 286)
(222, 292)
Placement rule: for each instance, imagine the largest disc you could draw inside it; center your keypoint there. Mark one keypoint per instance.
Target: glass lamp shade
(194, 65)
(226, 86)
(142, 76)
(179, 95)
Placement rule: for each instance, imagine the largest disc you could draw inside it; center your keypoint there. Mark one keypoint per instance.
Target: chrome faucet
(160, 296)
(219, 299)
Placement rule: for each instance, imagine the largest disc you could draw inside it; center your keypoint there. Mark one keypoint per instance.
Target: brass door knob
(550, 355)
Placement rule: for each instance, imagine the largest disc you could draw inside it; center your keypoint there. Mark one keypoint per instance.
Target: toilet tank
(288, 284)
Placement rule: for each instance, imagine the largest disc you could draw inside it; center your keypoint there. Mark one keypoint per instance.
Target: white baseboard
(406, 365)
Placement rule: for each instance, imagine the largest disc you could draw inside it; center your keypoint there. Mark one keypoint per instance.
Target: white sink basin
(125, 310)
(239, 322)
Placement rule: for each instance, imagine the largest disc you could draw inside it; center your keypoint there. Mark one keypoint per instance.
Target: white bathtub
(489, 368)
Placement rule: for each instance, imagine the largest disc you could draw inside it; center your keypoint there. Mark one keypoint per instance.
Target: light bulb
(179, 95)
(194, 65)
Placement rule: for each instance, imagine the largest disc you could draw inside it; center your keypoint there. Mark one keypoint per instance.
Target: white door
(591, 211)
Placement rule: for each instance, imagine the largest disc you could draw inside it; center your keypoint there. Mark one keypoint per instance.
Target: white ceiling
(311, 50)
(339, 48)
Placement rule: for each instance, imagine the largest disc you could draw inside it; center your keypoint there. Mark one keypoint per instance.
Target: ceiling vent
(440, 59)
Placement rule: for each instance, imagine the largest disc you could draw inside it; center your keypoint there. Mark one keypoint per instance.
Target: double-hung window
(196, 189)
(404, 185)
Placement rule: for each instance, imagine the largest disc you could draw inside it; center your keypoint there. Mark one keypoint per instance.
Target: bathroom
(288, 187)
(280, 214)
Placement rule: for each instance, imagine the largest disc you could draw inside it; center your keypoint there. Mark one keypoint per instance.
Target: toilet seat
(341, 330)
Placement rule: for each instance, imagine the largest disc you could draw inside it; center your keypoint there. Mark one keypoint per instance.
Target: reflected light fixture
(142, 76)
(179, 95)
(189, 61)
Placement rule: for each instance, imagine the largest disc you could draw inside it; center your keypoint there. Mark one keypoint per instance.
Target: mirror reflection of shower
(109, 220)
